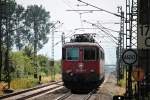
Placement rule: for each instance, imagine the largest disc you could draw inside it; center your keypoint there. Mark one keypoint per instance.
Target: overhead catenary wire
(110, 35)
(108, 32)
(113, 38)
(64, 1)
(100, 8)
(70, 35)
(109, 28)
(103, 29)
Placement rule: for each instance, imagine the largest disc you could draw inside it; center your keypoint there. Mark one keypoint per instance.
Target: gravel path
(109, 88)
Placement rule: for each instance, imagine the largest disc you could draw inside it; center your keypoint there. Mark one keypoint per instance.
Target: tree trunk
(0, 47)
(35, 50)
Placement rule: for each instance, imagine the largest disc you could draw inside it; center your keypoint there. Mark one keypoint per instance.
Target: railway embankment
(109, 88)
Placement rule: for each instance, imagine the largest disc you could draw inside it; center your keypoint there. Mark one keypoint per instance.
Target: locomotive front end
(81, 66)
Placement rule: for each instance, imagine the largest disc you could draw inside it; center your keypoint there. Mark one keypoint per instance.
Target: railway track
(70, 96)
(48, 91)
(34, 92)
(90, 96)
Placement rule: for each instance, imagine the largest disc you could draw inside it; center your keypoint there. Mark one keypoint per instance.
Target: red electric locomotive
(82, 64)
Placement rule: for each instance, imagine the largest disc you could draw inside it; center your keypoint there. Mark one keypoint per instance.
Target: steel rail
(38, 94)
(64, 96)
(28, 90)
(89, 95)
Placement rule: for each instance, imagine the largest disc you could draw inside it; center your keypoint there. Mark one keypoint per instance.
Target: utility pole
(131, 40)
(120, 48)
(128, 46)
(52, 52)
(63, 38)
(52, 56)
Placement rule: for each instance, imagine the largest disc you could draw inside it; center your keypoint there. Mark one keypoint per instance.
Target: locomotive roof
(82, 44)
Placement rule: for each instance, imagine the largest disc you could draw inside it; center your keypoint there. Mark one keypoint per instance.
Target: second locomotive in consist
(82, 63)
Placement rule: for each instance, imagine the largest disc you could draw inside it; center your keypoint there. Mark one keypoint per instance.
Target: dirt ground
(109, 88)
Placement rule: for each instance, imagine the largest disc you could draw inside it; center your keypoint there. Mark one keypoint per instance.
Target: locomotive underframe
(82, 82)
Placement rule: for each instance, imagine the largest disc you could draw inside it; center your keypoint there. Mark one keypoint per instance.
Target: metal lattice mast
(127, 37)
(131, 24)
(53, 27)
(120, 68)
(52, 48)
(121, 42)
(134, 24)
(128, 25)
(52, 54)
(63, 38)
(131, 39)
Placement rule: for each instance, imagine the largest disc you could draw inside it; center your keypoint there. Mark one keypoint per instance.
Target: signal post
(129, 57)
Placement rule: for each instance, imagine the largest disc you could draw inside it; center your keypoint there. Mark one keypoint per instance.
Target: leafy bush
(122, 83)
(22, 65)
(57, 67)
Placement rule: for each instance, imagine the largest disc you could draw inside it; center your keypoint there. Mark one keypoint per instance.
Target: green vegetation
(23, 70)
(26, 30)
(23, 83)
(122, 83)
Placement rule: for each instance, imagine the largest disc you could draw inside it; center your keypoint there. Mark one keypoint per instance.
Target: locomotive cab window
(102, 55)
(90, 53)
(63, 54)
(72, 53)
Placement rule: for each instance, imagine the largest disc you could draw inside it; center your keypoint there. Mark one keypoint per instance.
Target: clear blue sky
(72, 20)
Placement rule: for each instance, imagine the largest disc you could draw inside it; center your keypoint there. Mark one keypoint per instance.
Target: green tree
(37, 26)
(7, 35)
(58, 67)
(42, 61)
(19, 36)
(28, 50)
(22, 64)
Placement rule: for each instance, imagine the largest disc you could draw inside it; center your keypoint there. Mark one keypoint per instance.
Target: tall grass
(46, 79)
(122, 83)
(23, 83)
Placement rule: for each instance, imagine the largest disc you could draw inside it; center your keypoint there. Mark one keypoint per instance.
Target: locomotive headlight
(71, 74)
(80, 65)
(92, 70)
(68, 71)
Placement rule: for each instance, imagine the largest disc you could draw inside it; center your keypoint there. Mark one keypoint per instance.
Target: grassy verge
(46, 79)
(23, 83)
(122, 83)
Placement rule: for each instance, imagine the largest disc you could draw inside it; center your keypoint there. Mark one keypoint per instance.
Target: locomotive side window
(102, 55)
(63, 53)
(97, 54)
(90, 53)
(72, 53)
